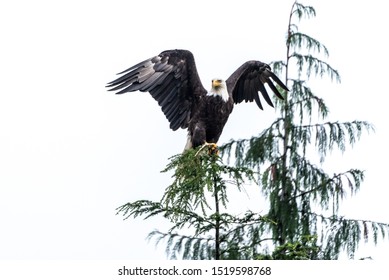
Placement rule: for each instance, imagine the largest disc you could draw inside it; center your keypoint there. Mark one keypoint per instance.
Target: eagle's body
(208, 121)
(173, 81)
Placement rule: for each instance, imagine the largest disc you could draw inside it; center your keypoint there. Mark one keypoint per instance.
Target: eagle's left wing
(250, 78)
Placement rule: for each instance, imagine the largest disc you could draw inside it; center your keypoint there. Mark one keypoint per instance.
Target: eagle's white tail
(189, 144)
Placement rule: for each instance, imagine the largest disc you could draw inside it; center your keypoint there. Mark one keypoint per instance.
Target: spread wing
(250, 78)
(171, 78)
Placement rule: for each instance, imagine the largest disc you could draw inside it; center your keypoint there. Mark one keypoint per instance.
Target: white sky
(70, 152)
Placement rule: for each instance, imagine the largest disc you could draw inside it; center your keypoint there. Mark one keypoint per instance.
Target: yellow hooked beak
(216, 83)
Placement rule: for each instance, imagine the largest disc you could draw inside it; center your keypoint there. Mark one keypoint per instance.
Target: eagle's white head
(219, 88)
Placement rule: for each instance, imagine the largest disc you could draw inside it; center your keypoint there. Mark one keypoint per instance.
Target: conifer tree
(197, 199)
(300, 193)
(302, 221)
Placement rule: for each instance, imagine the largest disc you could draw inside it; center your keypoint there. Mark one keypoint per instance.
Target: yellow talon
(212, 148)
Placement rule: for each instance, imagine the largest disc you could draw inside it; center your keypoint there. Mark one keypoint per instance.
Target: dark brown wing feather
(248, 79)
(173, 81)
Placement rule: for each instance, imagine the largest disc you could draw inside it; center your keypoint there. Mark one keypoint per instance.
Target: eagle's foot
(212, 148)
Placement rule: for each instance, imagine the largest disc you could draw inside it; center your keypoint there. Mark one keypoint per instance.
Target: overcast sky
(70, 152)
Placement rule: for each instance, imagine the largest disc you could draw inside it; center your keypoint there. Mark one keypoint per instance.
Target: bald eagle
(172, 80)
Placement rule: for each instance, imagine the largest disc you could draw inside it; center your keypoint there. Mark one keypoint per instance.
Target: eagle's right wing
(171, 78)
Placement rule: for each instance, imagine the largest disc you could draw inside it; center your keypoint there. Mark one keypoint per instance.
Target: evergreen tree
(302, 221)
(299, 191)
(198, 199)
